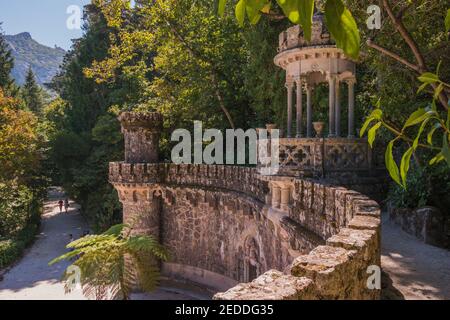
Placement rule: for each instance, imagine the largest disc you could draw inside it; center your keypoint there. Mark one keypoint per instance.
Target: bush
(20, 211)
(11, 250)
(429, 186)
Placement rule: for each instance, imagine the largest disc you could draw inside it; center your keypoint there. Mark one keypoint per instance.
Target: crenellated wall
(226, 226)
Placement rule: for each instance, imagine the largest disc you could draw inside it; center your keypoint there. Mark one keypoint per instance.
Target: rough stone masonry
(243, 235)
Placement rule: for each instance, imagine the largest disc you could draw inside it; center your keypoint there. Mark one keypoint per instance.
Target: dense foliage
(22, 178)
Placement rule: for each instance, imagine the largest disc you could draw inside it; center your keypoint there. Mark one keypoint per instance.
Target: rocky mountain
(44, 61)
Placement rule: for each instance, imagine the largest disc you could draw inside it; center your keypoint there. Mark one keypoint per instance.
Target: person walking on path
(60, 204)
(66, 204)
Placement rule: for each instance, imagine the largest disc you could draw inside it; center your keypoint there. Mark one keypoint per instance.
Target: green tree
(81, 146)
(6, 63)
(101, 260)
(32, 93)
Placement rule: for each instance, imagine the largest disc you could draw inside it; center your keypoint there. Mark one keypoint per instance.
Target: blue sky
(45, 20)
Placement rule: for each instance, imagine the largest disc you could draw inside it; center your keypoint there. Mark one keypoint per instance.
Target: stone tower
(141, 200)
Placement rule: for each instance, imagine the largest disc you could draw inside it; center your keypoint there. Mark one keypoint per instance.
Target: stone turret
(141, 200)
(141, 132)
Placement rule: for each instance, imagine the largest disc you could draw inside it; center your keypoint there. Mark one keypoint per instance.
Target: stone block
(364, 222)
(272, 285)
(331, 268)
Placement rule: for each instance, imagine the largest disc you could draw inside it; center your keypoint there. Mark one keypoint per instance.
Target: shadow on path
(418, 271)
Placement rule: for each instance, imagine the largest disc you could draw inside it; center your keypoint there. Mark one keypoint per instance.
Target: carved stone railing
(327, 157)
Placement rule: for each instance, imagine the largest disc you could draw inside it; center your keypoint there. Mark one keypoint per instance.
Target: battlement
(239, 179)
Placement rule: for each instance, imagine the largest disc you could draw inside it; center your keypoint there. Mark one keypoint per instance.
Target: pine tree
(6, 63)
(32, 93)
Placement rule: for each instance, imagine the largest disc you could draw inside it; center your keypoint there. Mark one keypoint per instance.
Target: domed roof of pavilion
(294, 36)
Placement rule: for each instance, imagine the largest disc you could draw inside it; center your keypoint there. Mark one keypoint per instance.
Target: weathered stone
(272, 285)
(330, 268)
(364, 222)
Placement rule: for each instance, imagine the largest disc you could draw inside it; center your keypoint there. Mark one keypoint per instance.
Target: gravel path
(32, 279)
(417, 270)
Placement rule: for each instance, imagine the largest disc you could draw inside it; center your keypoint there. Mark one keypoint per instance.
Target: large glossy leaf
(404, 165)
(253, 15)
(390, 163)
(343, 27)
(372, 133)
(240, 12)
(222, 5)
(299, 12)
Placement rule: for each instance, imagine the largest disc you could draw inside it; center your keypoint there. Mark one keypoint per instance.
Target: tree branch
(398, 24)
(394, 56)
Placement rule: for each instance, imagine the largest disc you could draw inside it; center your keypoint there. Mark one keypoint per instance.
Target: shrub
(427, 186)
(20, 210)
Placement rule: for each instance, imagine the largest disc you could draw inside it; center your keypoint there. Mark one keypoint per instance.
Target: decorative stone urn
(319, 127)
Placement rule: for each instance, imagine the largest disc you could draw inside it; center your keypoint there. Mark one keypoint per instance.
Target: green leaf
(445, 149)
(372, 133)
(416, 140)
(422, 87)
(299, 12)
(438, 158)
(240, 12)
(375, 115)
(416, 117)
(447, 21)
(428, 77)
(222, 5)
(365, 125)
(404, 165)
(253, 15)
(438, 91)
(390, 163)
(306, 10)
(343, 27)
(431, 132)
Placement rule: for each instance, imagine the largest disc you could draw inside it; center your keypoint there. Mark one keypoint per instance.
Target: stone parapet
(239, 179)
(337, 270)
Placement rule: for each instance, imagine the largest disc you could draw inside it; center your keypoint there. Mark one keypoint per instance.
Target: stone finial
(141, 132)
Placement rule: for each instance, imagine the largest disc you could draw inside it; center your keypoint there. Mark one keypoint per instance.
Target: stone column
(332, 102)
(290, 87)
(285, 197)
(309, 110)
(276, 196)
(351, 108)
(137, 181)
(299, 108)
(338, 109)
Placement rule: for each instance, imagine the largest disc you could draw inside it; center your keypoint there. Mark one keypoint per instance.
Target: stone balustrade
(328, 157)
